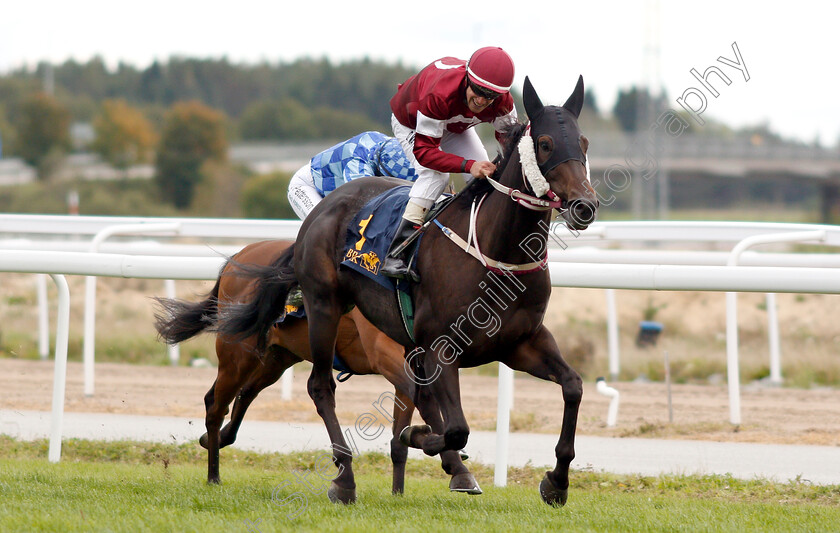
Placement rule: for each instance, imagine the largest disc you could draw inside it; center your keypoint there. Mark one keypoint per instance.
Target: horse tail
(272, 284)
(178, 320)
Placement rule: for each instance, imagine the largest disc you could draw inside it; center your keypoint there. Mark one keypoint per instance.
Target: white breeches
(431, 183)
(303, 196)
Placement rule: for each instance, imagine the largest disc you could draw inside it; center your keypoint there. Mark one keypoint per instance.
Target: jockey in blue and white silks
(368, 154)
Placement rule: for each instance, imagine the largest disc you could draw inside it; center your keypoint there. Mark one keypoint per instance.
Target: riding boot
(396, 265)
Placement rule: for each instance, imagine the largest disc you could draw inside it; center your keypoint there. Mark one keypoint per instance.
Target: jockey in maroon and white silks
(433, 116)
(433, 103)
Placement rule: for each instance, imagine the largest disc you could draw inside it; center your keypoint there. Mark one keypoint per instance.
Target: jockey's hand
(482, 169)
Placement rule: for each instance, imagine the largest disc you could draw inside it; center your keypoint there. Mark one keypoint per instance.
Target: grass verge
(136, 486)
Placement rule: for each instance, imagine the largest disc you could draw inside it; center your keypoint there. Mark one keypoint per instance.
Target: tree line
(184, 112)
(361, 88)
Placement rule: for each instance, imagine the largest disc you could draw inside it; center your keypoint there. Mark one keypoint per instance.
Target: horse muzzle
(581, 213)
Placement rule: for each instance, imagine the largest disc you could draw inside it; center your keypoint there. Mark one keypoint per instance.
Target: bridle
(529, 201)
(559, 123)
(533, 181)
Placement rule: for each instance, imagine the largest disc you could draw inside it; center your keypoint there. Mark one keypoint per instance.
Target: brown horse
(247, 366)
(469, 309)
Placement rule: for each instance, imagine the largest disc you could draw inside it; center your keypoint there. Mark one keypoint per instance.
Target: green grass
(129, 349)
(132, 486)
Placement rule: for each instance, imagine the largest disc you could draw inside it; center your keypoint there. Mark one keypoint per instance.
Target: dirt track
(789, 416)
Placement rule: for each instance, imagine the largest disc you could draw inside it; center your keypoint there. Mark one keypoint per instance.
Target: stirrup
(402, 270)
(397, 271)
(413, 275)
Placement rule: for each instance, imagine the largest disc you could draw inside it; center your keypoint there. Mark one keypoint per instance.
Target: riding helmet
(492, 68)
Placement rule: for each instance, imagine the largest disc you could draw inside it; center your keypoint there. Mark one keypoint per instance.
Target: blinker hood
(558, 122)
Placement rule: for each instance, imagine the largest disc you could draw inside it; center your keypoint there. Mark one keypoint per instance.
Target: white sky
(789, 49)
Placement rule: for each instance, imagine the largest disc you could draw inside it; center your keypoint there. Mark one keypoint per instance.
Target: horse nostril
(583, 211)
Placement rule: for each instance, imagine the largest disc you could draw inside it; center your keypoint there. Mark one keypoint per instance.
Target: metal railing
(639, 276)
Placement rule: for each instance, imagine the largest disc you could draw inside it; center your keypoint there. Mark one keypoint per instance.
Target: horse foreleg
(391, 364)
(540, 357)
(323, 327)
(444, 384)
(462, 479)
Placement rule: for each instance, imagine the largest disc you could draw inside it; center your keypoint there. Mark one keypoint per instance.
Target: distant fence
(615, 144)
(210, 228)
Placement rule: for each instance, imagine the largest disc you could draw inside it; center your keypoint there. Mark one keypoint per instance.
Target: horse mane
(510, 141)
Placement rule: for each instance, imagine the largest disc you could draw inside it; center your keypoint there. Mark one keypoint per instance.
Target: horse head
(557, 164)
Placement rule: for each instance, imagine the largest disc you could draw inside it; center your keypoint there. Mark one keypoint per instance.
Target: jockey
(433, 116)
(368, 154)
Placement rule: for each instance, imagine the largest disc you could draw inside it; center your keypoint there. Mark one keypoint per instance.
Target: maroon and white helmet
(491, 68)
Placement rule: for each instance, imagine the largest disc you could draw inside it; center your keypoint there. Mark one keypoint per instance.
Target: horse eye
(584, 143)
(545, 146)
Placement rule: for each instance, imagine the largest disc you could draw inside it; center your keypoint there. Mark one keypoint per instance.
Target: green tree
(337, 124)
(192, 134)
(8, 136)
(261, 120)
(626, 109)
(219, 192)
(281, 120)
(590, 101)
(151, 85)
(43, 132)
(637, 109)
(13, 91)
(123, 135)
(264, 196)
(361, 87)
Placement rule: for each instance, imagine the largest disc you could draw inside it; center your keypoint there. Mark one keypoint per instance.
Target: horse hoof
(464, 455)
(551, 494)
(203, 441)
(338, 494)
(408, 434)
(464, 483)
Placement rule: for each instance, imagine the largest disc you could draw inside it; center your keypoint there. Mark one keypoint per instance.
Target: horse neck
(507, 230)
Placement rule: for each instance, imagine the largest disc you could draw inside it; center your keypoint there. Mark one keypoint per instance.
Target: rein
(530, 175)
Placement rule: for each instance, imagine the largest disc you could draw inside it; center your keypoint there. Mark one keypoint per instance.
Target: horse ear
(575, 102)
(533, 105)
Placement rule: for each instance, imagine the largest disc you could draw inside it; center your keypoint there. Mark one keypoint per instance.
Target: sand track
(772, 415)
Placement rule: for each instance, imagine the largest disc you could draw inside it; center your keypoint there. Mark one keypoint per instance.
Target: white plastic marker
(606, 390)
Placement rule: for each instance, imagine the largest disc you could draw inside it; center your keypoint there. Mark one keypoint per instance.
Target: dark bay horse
(470, 309)
(247, 366)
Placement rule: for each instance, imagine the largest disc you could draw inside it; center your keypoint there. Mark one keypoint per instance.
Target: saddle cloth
(370, 233)
(368, 238)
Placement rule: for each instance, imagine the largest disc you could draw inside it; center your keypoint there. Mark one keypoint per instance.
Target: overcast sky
(788, 49)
